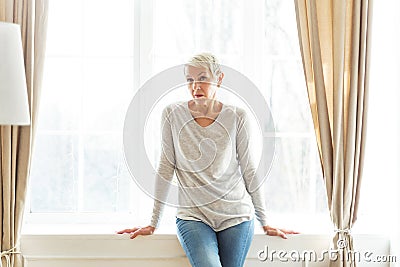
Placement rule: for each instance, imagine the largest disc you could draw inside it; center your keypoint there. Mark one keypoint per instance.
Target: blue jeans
(206, 248)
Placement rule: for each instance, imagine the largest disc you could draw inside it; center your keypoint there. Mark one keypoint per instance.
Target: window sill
(163, 249)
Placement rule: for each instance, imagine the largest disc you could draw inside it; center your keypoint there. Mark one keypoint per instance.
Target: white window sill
(88, 245)
(101, 249)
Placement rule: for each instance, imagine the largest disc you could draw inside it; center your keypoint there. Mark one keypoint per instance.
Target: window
(379, 200)
(93, 67)
(78, 163)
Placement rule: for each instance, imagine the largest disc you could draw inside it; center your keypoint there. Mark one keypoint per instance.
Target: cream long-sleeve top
(215, 172)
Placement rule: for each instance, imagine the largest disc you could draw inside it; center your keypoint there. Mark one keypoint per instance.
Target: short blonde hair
(206, 60)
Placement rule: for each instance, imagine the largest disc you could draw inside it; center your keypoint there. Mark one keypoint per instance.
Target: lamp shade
(14, 109)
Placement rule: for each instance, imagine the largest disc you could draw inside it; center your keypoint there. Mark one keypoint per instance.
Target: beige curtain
(16, 141)
(334, 39)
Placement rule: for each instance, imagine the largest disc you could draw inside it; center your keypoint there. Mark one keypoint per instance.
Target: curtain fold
(334, 37)
(16, 141)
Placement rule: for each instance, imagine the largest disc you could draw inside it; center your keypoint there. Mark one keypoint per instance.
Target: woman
(206, 143)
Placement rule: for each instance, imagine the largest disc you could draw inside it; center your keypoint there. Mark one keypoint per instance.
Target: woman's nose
(196, 86)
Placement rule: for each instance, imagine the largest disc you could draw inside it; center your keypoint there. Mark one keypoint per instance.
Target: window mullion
(253, 40)
(143, 54)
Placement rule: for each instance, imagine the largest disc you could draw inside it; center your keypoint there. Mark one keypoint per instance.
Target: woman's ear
(220, 77)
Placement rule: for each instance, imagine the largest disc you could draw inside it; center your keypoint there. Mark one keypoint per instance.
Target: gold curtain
(16, 141)
(334, 38)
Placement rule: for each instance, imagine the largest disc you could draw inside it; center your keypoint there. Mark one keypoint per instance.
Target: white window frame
(143, 69)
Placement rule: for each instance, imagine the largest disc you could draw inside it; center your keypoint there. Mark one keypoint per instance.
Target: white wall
(159, 250)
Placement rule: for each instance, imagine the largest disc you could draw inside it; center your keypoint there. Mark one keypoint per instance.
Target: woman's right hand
(134, 232)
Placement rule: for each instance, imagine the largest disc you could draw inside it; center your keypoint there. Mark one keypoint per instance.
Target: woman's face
(201, 83)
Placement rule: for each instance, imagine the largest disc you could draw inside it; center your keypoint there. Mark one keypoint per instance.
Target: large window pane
(103, 166)
(108, 89)
(287, 96)
(78, 163)
(280, 28)
(65, 29)
(183, 27)
(60, 103)
(295, 182)
(54, 178)
(108, 28)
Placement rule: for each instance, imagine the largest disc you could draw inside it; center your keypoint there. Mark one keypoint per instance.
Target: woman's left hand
(269, 230)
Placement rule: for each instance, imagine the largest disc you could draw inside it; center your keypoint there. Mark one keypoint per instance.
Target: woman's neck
(206, 108)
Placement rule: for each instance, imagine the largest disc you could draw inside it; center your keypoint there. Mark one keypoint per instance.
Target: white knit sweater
(213, 165)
